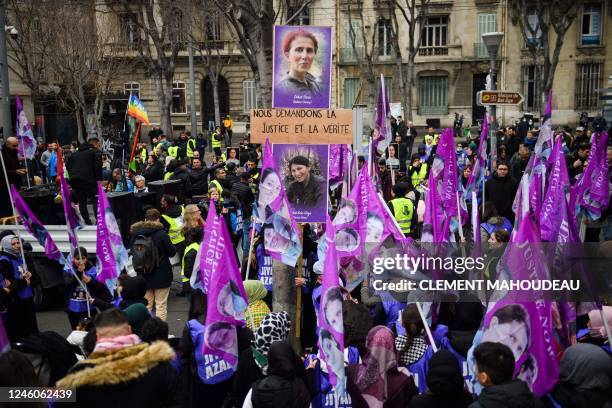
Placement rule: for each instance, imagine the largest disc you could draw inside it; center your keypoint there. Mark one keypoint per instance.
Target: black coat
(183, 176)
(161, 276)
(514, 394)
(138, 376)
(501, 192)
(244, 195)
(154, 173)
(85, 165)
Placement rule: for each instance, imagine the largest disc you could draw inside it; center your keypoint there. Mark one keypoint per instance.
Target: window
(486, 24)
(248, 93)
(383, 38)
(389, 88)
(531, 80)
(128, 28)
(532, 19)
(433, 95)
(351, 92)
(434, 36)
(132, 88)
(302, 18)
(178, 97)
(177, 34)
(591, 24)
(347, 54)
(588, 80)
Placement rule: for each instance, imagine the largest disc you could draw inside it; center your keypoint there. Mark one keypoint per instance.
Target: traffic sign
(499, 98)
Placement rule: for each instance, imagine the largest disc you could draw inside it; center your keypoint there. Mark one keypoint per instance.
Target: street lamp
(4, 75)
(492, 42)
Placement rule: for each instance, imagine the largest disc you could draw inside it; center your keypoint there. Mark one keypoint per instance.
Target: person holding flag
(136, 110)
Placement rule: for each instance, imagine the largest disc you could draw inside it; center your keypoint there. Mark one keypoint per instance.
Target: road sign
(499, 98)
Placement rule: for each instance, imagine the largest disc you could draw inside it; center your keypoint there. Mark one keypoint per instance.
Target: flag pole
(25, 159)
(298, 305)
(426, 326)
(250, 257)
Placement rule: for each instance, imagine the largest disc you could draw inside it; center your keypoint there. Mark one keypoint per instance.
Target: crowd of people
(121, 338)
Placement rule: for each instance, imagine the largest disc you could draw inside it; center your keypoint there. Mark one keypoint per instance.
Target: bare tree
(414, 13)
(365, 57)
(28, 50)
(160, 24)
(85, 59)
(556, 14)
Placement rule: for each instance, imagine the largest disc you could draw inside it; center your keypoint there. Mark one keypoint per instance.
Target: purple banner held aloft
(545, 140)
(210, 257)
(435, 229)
(302, 67)
(227, 300)
(592, 188)
(36, 228)
(339, 158)
(72, 220)
(27, 142)
(280, 231)
(383, 123)
(111, 254)
(476, 180)
(331, 325)
(531, 335)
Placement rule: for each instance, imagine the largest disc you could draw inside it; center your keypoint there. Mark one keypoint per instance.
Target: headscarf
(585, 367)
(282, 360)
(444, 376)
(274, 327)
(255, 290)
(7, 246)
(371, 376)
(596, 323)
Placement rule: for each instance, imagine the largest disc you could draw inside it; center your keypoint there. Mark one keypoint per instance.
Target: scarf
(7, 246)
(255, 290)
(371, 376)
(116, 343)
(274, 327)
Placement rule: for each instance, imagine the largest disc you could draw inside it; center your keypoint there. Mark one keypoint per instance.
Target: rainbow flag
(137, 110)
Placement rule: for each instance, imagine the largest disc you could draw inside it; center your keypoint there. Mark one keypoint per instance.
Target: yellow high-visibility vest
(403, 210)
(191, 246)
(175, 232)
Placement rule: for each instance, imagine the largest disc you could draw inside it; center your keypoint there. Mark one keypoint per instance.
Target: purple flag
(383, 125)
(72, 221)
(434, 227)
(27, 143)
(209, 255)
(111, 254)
(477, 176)
(531, 335)
(554, 207)
(331, 325)
(339, 158)
(545, 140)
(5, 344)
(36, 228)
(475, 219)
(280, 231)
(590, 194)
(227, 300)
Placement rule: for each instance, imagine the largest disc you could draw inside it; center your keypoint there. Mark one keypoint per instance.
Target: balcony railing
(348, 55)
(427, 51)
(480, 50)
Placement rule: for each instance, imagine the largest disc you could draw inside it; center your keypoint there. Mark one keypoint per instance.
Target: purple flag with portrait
(544, 144)
(525, 327)
(209, 255)
(331, 325)
(227, 300)
(36, 228)
(280, 231)
(112, 257)
(72, 220)
(383, 124)
(590, 193)
(27, 142)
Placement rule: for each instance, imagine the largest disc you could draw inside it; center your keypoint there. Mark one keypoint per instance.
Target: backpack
(145, 257)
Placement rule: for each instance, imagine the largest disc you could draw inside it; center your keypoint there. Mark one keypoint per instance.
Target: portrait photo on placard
(304, 172)
(232, 155)
(302, 67)
(393, 157)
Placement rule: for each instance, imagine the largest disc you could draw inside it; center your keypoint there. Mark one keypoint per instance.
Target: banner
(554, 210)
(477, 177)
(331, 325)
(303, 170)
(27, 143)
(74, 222)
(280, 231)
(227, 299)
(209, 255)
(112, 257)
(302, 67)
(302, 126)
(382, 132)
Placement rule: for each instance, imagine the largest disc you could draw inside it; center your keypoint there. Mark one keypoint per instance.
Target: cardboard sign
(302, 126)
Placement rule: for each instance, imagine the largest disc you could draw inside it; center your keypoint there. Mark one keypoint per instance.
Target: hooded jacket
(513, 394)
(134, 377)
(161, 276)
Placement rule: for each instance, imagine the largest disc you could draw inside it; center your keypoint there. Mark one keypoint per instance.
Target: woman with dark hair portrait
(306, 189)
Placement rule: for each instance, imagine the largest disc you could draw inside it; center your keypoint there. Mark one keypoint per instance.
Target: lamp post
(192, 101)
(492, 42)
(7, 122)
